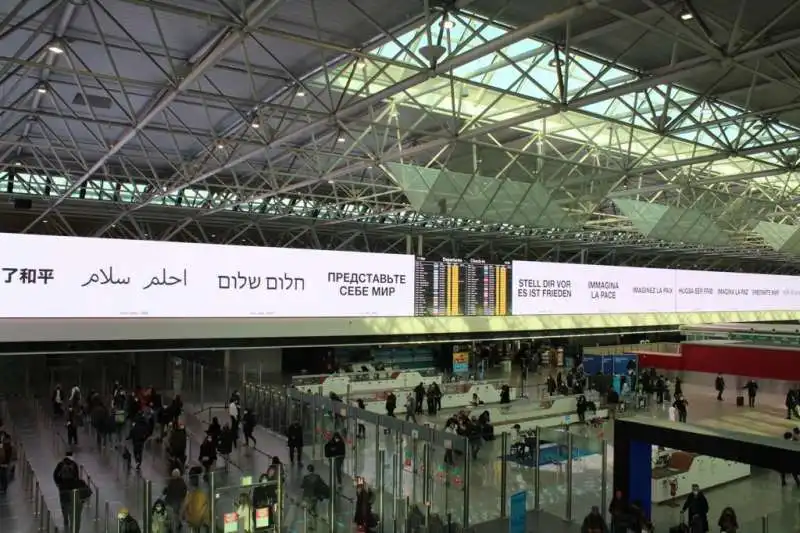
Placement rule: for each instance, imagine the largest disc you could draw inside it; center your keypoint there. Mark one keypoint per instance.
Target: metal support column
(227, 373)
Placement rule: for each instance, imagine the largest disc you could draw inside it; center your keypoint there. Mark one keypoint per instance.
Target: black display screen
(462, 288)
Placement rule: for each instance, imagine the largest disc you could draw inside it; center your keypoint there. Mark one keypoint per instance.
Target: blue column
(640, 474)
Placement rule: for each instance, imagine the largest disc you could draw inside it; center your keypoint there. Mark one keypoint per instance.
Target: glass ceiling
(316, 208)
(524, 77)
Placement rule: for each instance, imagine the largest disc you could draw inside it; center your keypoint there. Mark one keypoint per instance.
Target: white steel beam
(209, 55)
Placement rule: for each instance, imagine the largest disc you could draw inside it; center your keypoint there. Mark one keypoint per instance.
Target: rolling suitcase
(739, 401)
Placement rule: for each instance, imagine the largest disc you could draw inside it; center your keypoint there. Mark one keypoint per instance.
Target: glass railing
(424, 477)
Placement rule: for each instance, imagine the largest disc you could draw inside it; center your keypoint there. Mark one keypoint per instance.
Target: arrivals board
(59, 277)
(461, 288)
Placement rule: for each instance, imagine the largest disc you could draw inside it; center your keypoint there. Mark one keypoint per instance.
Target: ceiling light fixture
(220, 145)
(255, 125)
(301, 93)
(448, 24)
(41, 89)
(555, 63)
(341, 139)
(686, 15)
(55, 48)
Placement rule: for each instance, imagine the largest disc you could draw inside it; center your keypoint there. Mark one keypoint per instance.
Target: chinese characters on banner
(62, 277)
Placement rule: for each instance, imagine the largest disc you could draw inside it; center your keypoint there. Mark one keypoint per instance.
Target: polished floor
(396, 471)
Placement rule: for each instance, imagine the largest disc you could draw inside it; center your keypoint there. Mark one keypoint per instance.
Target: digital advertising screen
(67, 277)
(576, 289)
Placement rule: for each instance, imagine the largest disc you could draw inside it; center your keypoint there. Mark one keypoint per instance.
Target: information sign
(518, 513)
(263, 517)
(45, 276)
(571, 289)
(230, 522)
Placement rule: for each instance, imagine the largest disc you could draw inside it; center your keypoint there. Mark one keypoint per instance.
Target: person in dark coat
(791, 404)
(619, 511)
(208, 453)
(752, 388)
(391, 404)
(363, 517)
(696, 507)
(294, 433)
(719, 386)
(225, 443)
(335, 451)
(214, 429)
(594, 522)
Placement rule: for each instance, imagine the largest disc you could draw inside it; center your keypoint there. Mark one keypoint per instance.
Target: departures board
(462, 288)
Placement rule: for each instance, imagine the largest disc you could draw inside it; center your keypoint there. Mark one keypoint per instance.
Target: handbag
(84, 492)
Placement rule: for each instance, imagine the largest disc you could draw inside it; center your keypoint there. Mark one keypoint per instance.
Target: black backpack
(68, 474)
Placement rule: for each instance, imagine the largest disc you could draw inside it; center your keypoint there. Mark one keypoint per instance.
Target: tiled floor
(17, 510)
(385, 465)
(758, 496)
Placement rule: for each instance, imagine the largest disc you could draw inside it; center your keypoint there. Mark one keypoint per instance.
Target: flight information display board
(462, 288)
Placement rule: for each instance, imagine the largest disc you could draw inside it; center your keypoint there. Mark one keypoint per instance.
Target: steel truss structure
(632, 132)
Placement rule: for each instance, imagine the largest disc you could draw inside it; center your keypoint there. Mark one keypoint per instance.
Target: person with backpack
(315, 490)
(66, 477)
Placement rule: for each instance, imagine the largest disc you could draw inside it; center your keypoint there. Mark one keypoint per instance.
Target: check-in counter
(530, 414)
(362, 382)
(674, 473)
(454, 396)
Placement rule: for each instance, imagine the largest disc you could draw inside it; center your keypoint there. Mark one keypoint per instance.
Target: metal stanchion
(202, 389)
(537, 481)
(42, 511)
(765, 524)
(380, 482)
(467, 468)
(504, 475)
(212, 483)
(148, 495)
(604, 478)
(568, 510)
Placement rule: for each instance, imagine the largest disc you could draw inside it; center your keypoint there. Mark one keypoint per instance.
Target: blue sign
(518, 513)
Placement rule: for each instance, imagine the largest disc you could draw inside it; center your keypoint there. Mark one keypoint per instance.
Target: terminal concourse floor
(43, 448)
(752, 498)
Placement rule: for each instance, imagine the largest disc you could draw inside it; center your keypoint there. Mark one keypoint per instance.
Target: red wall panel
(660, 361)
(748, 361)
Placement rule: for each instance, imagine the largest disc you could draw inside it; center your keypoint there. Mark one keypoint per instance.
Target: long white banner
(66, 277)
(571, 289)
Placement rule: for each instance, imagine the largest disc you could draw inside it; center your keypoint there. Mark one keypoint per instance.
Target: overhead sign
(569, 289)
(572, 289)
(725, 291)
(67, 277)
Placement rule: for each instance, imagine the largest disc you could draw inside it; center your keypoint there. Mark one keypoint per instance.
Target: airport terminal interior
(418, 265)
